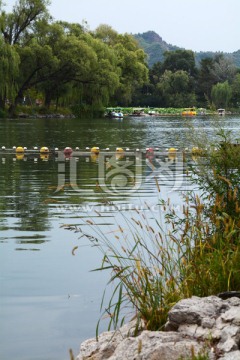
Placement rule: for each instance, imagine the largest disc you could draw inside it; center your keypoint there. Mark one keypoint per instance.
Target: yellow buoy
(44, 150)
(172, 156)
(119, 149)
(20, 156)
(44, 156)
(94, 157)
(172, 150)
(95, 150)
(119, 156)
(19, 149)
(196, 151)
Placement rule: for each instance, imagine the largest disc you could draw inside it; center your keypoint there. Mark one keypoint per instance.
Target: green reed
(156, 260)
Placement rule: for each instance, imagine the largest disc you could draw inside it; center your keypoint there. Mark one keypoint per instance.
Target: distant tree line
(178, 82)
(65, 64)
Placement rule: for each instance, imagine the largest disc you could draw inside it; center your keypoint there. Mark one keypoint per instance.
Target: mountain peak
(155, 47)
(151, 36)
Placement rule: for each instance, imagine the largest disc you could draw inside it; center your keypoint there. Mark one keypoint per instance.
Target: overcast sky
(199, 25)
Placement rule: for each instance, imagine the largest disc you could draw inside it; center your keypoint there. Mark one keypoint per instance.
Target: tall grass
(156, 260)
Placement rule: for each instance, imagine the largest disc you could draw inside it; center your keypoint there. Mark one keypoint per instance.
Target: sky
(198, 25)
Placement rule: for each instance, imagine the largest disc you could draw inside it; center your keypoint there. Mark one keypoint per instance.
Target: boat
(202, 111)
(114, 113)
(152, 112)
(189, 112)
(221, 112)
(137, 112)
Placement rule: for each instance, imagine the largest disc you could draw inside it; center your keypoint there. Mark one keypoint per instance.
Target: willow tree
(86, 72)
(38, 62)
(221, 94)
(17, 36)
(9, 69)
(131, 62)
(15, 26)
(134, 71)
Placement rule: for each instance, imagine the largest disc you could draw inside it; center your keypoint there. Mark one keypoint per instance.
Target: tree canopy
(90, 69)
(67, 64)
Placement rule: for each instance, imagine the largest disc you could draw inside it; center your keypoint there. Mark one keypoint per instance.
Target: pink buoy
(149, 153)
(149, 150)
(68, 151)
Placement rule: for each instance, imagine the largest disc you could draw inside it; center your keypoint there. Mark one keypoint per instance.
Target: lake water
(50, 299)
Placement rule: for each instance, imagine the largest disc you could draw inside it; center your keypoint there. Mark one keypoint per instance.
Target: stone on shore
(209, 326)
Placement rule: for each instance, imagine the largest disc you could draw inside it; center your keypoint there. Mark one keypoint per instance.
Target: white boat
(221, 112)
(114, 114)
(152, 112)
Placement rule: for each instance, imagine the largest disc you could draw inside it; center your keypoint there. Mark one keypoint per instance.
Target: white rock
(195, 321)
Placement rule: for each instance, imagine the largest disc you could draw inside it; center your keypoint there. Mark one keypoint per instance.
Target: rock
(232, 315)
(208, 323)
(149, 345)
(193, 310)
(209, 326)
(234, 355)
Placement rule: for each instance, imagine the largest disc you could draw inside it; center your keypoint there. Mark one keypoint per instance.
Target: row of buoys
(22, 149)
(96, 150)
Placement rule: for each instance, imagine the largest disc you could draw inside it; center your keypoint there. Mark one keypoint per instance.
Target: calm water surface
(50, 299)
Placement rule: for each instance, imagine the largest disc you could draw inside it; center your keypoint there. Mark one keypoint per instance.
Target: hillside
(155, 47)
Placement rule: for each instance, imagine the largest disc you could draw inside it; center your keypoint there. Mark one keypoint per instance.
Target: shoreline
(197, 328)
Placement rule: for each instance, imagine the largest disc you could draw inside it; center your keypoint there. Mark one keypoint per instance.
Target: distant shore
(42, 113)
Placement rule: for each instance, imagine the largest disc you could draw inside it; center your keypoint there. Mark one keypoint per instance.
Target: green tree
(175, 78)
(176, 89)
(155, 73)
(86, 67)
(9, 67)
(36, 64)
(131, 62)
(18, 23)
(106, 34)
(61, 59)
(102, 78)
(17, 33)
(180, 60)
(213, 71)
(205, 81)
(223, 69)
(221, 94)
(236, 91)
